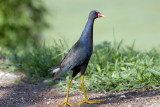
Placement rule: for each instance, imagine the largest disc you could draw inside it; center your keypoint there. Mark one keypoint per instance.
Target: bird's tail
(58, 71)
(55, 71)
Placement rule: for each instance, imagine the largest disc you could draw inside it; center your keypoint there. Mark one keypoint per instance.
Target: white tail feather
(55, 70)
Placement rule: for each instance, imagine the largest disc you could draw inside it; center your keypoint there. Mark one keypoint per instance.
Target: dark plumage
(78, 57)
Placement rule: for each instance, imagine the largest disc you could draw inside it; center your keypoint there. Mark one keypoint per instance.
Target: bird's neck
(87, 35)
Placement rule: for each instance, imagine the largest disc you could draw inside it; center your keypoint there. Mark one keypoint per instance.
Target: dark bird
(78, 57)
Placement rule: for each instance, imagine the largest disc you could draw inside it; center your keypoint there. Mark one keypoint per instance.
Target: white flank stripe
(55, 70)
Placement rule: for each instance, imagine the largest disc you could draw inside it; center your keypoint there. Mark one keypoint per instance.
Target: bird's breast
(88, 49)
(87, 44)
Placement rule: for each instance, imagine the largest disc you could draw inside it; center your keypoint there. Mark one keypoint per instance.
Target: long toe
(63, 104)
(96, 101)
(90, 102)
(66, 103)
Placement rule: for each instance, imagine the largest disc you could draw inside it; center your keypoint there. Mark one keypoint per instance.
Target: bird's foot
(66, 103)
(90, 102)
(86, 101)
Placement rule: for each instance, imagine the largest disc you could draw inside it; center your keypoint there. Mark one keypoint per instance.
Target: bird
(78, 58)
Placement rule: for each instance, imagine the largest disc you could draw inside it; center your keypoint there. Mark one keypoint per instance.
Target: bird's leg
(85, 95)
(66, 102)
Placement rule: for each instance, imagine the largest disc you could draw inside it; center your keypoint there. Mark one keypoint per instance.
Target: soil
(23, 94)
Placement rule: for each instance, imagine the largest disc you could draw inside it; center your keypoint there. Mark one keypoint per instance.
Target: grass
(111, 68)
(116, 68)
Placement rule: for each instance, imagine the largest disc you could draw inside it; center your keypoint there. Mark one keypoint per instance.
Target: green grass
(36, 61)
(117, 68)
(111, 68)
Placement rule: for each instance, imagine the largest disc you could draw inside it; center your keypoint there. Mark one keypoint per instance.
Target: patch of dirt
(30, 95)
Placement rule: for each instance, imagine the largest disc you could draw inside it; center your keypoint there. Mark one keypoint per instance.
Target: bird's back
(77, 56)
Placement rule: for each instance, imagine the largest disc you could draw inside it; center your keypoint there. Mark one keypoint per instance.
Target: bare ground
(23, 94)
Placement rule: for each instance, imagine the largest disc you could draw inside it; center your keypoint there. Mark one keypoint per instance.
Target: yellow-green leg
(85, 95)
(66, 102)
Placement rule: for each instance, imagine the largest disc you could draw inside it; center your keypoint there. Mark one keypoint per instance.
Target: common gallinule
(78, 57)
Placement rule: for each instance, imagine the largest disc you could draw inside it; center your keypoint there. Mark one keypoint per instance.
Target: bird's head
(95, 14)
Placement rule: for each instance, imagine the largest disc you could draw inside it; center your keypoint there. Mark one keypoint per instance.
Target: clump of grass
(117, 68)
(36, 61)
(111, 68)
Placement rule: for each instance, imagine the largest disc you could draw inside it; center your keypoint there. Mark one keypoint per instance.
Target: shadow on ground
(116, 99)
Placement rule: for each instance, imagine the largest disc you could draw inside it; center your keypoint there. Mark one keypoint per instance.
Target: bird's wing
(74, 58)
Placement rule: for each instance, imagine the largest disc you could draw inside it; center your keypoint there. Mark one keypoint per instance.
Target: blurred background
(26, 22)
(126, 20)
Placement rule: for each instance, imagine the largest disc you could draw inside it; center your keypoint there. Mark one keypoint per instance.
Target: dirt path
(29, 95)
